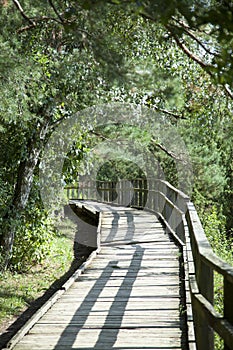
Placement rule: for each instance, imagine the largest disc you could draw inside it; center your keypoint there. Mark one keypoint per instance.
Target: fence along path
(128, 298)
(201, 265)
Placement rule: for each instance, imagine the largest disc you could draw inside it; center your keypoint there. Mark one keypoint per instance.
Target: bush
(33, 239)
(214, 225)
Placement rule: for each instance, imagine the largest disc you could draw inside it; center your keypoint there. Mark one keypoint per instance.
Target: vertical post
(161, 200)
(88, 190)
(204, 333)
(132, 193)
(120, 192)
(105, 186)
(228, 304)
(128, 191)
(140, 193)
(155, 195)
(145, 193)
(108, 191)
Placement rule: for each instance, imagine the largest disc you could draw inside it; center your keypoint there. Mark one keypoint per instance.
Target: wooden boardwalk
(128, 298)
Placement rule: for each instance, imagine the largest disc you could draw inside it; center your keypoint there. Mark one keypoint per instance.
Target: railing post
(140, 193)
(144, 193)
(155, 201)
(108, 192)
(112, 191)
(133, 202)
(228, 304)
(121, 197)
(204, 334)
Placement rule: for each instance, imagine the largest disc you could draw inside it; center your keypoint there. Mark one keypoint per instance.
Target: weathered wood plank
(128, 298)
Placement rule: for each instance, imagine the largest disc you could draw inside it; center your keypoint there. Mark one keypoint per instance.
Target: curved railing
(181, 219)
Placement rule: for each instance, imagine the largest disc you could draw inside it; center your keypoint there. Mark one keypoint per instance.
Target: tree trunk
(21, 194)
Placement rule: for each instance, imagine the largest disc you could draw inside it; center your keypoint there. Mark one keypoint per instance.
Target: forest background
(60, 57)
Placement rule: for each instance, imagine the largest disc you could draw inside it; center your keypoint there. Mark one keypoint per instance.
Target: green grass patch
(19, 290)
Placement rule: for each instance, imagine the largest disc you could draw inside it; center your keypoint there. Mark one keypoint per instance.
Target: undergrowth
(19, 289)
(214, 226)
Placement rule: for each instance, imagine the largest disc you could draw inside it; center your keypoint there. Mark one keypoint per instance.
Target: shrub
(214, 225)
(33, 239)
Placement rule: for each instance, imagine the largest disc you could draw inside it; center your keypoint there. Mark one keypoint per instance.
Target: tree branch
(99, 135)
(19, 7)
(228, 91)
(36, 21)
(186, 50)
(195, 58)
(187, 30)
(170, 113)
(164, 149)
(55, 10)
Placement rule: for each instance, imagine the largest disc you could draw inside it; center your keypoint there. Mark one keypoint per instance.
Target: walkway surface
(127, 299)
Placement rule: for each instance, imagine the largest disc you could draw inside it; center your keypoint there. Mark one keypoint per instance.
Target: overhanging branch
(190, 33)
(19, 7)
(55, 11)
(228, 91)
(174, 115)
(168, 152)
(185, 49)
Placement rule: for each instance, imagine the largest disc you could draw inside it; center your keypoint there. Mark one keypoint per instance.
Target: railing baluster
(120, 193)
(228, 304)
(140, 187)
(171, 205)
(204, 275)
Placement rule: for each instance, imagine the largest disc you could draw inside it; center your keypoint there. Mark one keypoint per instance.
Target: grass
(19, 290)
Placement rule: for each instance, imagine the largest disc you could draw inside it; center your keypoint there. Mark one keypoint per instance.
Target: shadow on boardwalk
(5, 337)
(118, 305)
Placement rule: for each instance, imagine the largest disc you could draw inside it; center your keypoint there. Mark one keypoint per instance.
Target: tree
(202, 30)
(52, 66)
(65, 56)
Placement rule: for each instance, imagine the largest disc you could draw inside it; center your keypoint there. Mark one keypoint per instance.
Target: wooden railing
(180, 218)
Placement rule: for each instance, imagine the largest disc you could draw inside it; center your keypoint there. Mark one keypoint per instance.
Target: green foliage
(34, 237)
(214, 226)
(114, 170)
(205, 28)
(20, 289)
(89, 52)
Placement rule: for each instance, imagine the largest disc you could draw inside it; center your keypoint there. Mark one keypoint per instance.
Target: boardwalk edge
(53, 299)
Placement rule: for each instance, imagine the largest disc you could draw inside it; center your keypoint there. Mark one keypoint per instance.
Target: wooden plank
(89, 338)
(128, 297)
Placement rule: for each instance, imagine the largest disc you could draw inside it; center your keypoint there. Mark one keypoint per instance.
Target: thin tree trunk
(21, 194)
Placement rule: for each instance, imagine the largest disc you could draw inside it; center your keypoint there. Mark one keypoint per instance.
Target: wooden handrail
(181, 219)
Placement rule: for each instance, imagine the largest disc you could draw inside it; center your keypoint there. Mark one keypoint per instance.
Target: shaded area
(87, 305)
(123, 295)
(130, 226)
(110, 327)
(81, 253)
(130, 229)
(114, 227)
(86, 232)
(36, 304)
